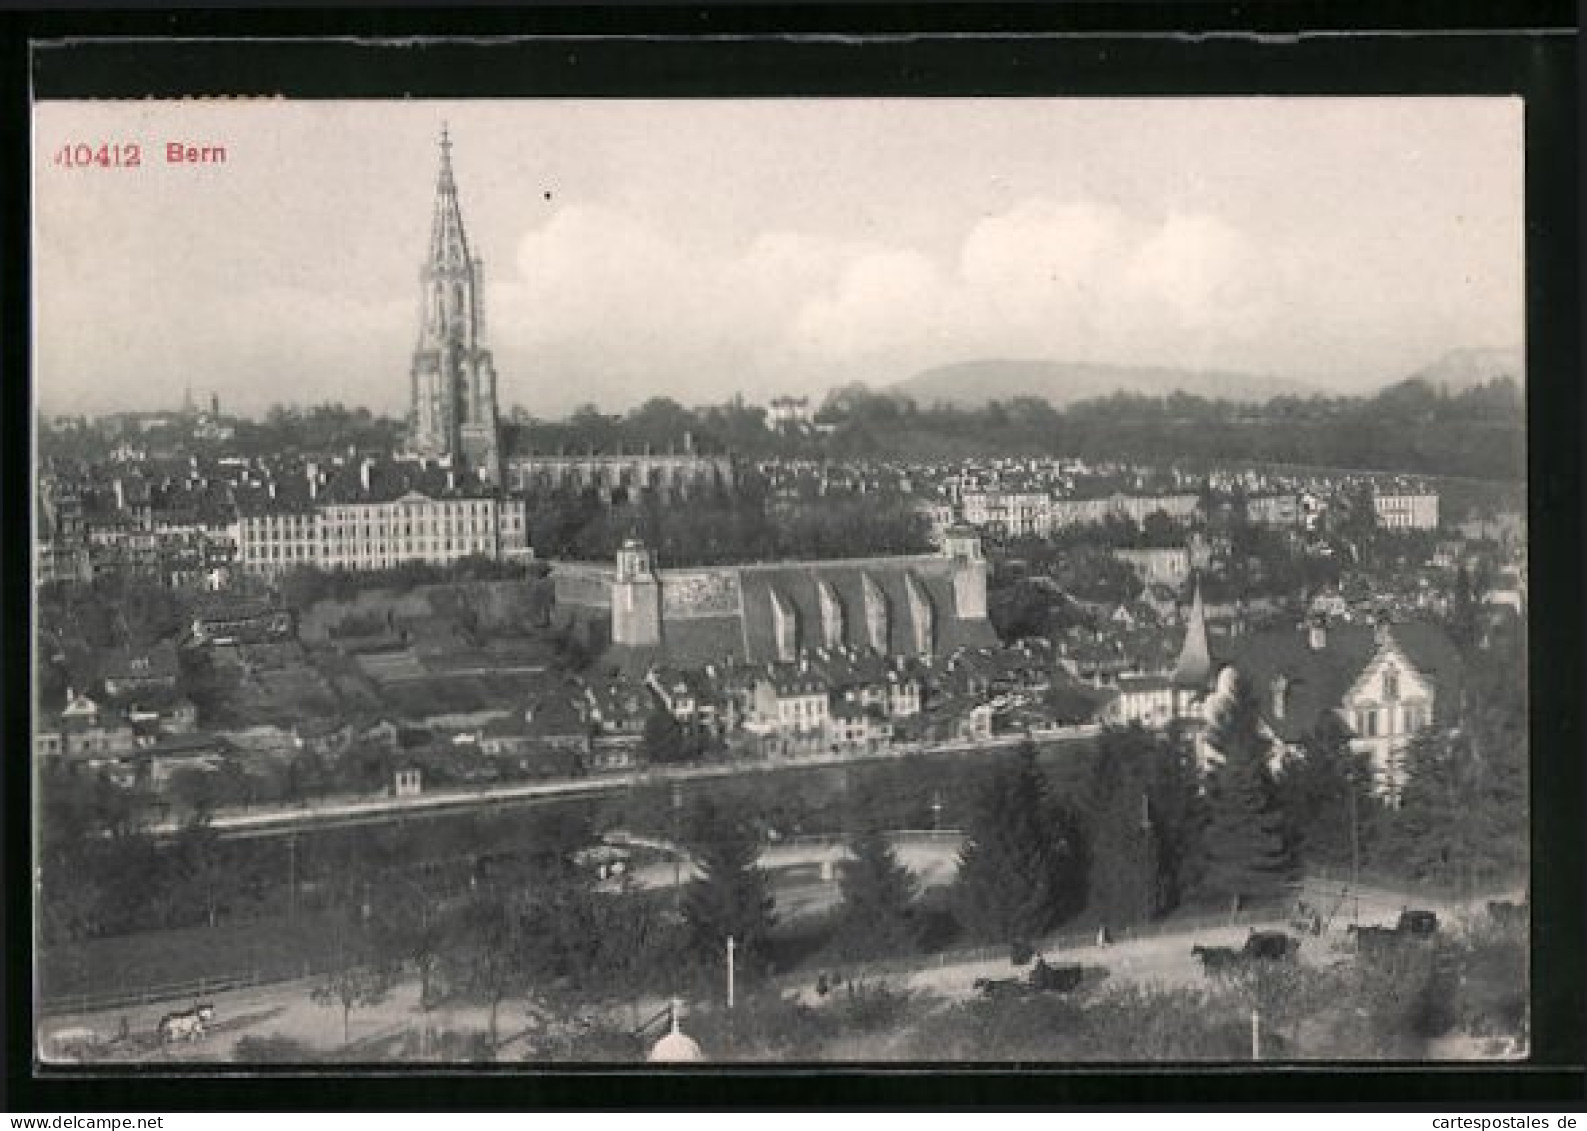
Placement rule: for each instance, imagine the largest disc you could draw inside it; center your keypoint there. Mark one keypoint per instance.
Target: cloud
(624, 307)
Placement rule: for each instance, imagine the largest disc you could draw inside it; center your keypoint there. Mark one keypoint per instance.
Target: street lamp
(292, 875)
(1355, 837)
(677, 850)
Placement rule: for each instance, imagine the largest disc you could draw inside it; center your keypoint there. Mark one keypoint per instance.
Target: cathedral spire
(1194, 668)
(444, 184)
(448, 241)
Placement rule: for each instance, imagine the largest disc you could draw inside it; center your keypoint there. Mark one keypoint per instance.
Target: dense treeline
(320, 428)
(724, 529)
(1409, 427)
(303, 586)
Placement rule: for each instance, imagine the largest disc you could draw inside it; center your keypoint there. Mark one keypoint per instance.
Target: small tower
(636, 598)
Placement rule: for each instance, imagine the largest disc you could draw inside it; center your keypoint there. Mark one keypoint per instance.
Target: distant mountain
(1461, 369)
(970, 384)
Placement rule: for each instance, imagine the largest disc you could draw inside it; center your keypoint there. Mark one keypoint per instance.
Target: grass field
(273, 948)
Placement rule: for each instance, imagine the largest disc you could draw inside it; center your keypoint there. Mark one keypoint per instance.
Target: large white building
(1406, 511)
(1040, 513)
(375, 533)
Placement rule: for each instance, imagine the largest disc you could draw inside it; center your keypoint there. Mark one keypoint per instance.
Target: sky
(701, 249)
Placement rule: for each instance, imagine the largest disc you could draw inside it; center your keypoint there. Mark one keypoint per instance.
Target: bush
(868, 1007)
(1138, 1023)
(274, 1049)
(1492, 995)
(763, 1025)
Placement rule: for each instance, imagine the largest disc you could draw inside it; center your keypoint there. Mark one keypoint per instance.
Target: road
(286, 1009)
(1166, 960)
(248, 824)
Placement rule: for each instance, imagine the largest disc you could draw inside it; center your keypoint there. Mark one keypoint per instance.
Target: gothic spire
(448, 242)
(445, 182)
(1194, 668)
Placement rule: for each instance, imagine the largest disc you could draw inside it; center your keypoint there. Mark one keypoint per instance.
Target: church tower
(453, 413)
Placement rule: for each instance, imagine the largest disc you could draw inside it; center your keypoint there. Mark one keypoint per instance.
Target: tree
(876, 917)
(1126, 880)
(485, 956)
(1465, 610)
(411, 926)
(1178, 813)
(1326, 797)
(357, 978)
(1247, 856)
(637, 945)
(731, 896)
(1022, 609)
(664, 740)
(1444, 830)
(1463, 814)
(196, 867)
(1019, 871)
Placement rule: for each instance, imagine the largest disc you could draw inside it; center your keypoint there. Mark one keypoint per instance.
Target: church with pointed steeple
(1193, 671)
(453, 415)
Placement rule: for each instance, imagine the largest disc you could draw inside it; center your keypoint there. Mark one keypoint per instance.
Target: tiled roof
(391, 481)
(553, 715)
(799, 585)
(226, 609)
(1129, 682)
(693, 642)
(789, 679)
(1319, 678)
(158, 662)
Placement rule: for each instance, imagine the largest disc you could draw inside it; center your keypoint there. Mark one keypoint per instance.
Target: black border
(1085, 49)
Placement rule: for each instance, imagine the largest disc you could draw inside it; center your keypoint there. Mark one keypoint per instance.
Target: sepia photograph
(821, 580)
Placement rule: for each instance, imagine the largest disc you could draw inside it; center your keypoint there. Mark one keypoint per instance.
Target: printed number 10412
(105, 155)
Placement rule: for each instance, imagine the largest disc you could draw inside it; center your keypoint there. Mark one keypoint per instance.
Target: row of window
(476, 509)
(274, 526)
(1374, 722)
(811, 708)
(307, 551)
(378, 530)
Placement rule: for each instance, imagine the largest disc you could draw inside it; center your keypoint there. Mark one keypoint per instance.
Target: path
(287, 1010)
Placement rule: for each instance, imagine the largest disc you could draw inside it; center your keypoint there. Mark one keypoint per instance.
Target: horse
(1216, 959)
(1001, 987)
(1270, 945)
(189, 1025)
(1057, 979)
(1418, 924)
(1374, 939)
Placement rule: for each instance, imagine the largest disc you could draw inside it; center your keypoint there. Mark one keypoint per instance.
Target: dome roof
(675, 1048)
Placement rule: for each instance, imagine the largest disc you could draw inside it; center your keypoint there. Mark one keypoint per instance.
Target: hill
(1462, 369)
(971, 384)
